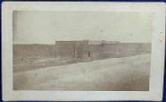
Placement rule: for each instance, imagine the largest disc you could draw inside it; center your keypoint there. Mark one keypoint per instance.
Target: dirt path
(127, 73)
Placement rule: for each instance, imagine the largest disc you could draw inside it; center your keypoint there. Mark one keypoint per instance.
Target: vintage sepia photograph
(64, 49)
(100, 51)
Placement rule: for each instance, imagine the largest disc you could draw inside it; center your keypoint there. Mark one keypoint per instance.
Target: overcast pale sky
(44, 27)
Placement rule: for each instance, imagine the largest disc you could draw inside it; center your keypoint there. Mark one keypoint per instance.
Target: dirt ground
(127, 73)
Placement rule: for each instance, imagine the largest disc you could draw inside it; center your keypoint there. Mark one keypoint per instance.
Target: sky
(46, 27)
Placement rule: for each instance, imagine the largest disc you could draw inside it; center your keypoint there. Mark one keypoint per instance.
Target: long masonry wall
(81, 50)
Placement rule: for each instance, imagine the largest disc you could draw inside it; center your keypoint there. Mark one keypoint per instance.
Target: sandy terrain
(127, 73)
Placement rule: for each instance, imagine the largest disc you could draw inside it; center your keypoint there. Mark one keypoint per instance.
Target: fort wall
(81, 49)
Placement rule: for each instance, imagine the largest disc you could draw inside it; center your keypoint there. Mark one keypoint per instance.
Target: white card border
(157, 57)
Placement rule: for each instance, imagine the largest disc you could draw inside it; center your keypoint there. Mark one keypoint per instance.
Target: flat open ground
(127, 73)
